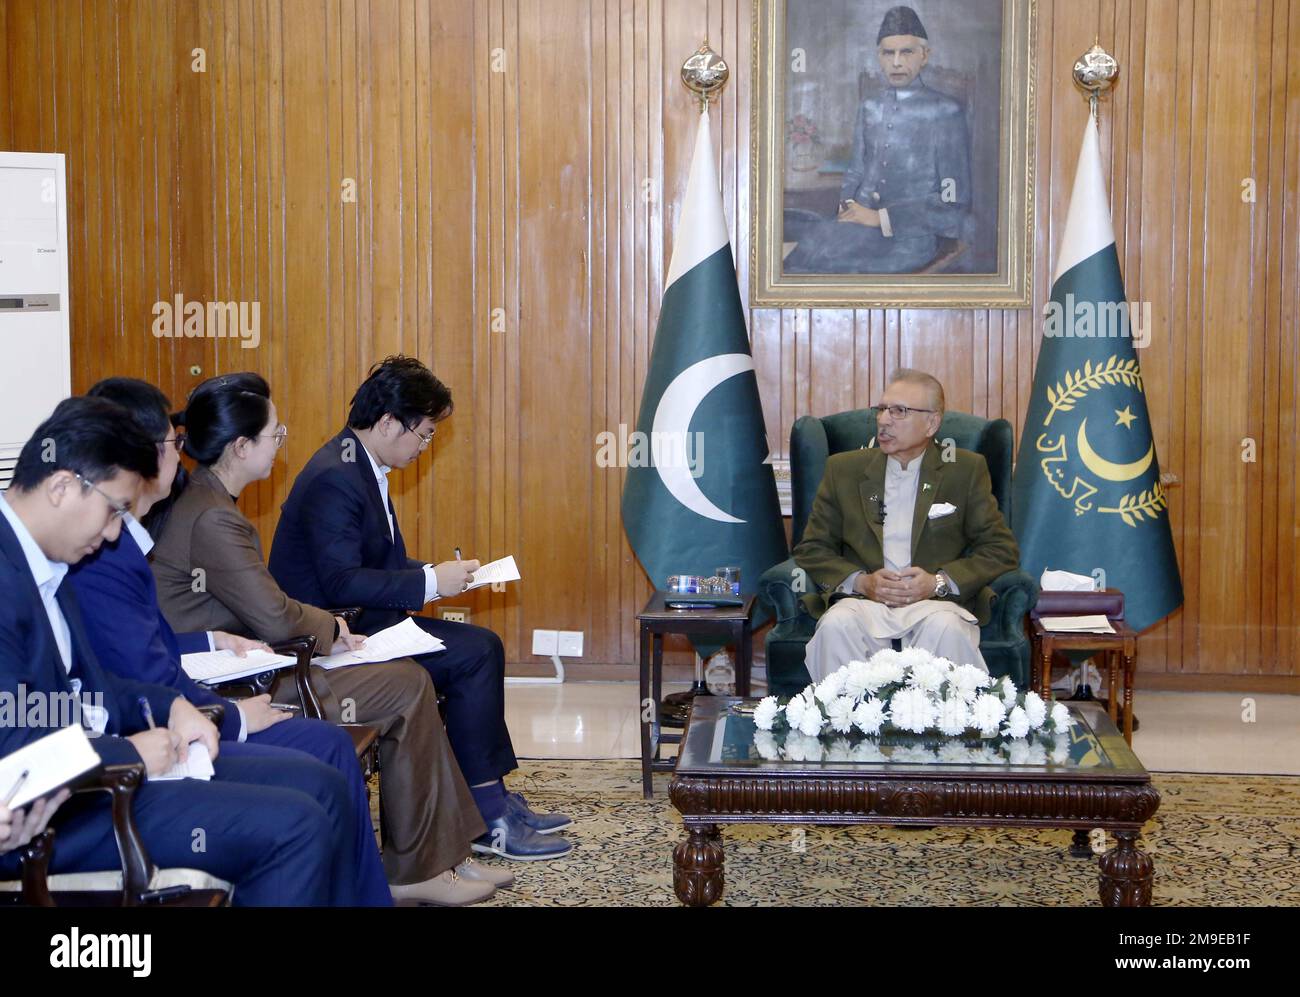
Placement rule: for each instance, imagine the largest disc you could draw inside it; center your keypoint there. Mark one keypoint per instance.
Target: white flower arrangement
(915, 691)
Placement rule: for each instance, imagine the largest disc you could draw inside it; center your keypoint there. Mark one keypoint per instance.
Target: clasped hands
(896, 588)
(857, 213)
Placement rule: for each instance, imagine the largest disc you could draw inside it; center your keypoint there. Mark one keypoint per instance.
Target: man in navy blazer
(278, 829)
(338, 544)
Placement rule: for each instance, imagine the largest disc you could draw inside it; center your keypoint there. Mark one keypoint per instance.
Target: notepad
(50, 763)
(197, 765)
(503, 570)
(213, 667)
(403, 640)
(1077, 624)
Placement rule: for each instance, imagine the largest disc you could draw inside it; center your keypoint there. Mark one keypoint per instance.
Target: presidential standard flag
(698, 495)
(1087, 490)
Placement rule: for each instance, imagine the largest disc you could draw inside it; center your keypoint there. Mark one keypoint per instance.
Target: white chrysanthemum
(887, 666)
(968, 680)
(856, 677)
(910, 657)
(987, 712)
(1061, 719)
(830, 688)
(765, 743)
(1037, 753)
(765, 712)
(812, 721)
(1018, 752)
(985, 754)
(839, 714)
(954, 716)
(1017, 723)
(1007, 690)
(910, 709)
(1035, 710)
(869, 716)
(794, 710)
(802, 748)
(928, 675)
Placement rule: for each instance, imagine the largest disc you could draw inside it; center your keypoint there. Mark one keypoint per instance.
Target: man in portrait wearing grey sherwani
(908, 180)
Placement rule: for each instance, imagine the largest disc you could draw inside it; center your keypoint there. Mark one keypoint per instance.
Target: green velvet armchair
(1003, 642)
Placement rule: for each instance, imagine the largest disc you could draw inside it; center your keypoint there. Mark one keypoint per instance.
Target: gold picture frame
(983, 258)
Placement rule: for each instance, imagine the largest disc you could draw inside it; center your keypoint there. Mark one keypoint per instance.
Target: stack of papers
(504, 570)
(214, 667)
(44, 766)
(1077, 624)
(197, 765)
(403, 640)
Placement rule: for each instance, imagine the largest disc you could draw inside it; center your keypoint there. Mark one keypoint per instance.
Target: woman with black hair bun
(211, 575)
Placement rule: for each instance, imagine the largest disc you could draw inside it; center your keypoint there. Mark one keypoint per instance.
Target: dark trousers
(471, 673)
(274, 822)
(333, 746)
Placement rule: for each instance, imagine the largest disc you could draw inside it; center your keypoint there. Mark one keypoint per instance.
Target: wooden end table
(1100, 785)
(1117, 648)
(732, 624)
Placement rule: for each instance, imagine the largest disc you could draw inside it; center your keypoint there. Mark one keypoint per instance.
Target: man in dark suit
(338, 544)
(278, 829)
(901, 542)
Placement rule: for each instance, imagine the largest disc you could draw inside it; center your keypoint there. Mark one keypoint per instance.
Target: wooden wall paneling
(523, 190)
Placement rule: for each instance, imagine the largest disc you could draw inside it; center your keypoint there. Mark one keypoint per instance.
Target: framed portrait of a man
(891, 153)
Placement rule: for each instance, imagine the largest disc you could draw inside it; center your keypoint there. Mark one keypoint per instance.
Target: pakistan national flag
(698, 495)
(1087, 491)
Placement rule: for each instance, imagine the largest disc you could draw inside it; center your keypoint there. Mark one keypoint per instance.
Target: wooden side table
(1119, 650)
(730, 624)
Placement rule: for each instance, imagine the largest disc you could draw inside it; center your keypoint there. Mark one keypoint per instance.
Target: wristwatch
(845, 203)
(941, 588)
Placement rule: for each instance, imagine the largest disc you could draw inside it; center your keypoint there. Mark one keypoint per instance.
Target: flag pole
(1094, 73)
(704, 74)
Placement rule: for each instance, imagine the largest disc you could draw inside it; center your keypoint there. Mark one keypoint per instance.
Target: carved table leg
(697, 866)
(1125, 873)
(1081, 846)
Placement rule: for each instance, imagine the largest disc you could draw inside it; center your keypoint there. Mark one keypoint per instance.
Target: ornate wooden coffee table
(722, 779)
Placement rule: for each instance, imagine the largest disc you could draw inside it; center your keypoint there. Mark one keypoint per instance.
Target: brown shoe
(447, 890)
(481, 872)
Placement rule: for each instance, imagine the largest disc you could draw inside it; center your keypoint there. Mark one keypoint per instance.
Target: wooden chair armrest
(348, 614)
(35, 864)
(302, 649)
(121, 782)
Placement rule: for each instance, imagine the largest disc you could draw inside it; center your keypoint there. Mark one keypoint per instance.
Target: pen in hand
(13, 792)
(458, 557)
(147, 710)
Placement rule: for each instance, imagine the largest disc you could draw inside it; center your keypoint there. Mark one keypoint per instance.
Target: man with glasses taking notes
(338, 544)
(874, 585)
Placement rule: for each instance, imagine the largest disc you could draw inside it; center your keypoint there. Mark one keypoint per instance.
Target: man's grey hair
(909, 375)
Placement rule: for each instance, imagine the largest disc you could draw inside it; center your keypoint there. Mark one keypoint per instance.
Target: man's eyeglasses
(120, 510)
(898, 411)
(281, 432)
(177, 441)
(424, 440)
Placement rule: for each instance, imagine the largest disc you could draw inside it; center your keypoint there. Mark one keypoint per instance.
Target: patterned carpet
(1216, 841)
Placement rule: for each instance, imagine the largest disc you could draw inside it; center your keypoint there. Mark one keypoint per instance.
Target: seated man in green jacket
(901, 542)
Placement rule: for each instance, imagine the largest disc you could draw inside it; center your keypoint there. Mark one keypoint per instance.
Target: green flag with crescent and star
(698, 494)
(1087, 490)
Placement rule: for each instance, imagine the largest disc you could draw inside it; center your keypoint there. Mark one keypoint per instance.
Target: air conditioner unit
(35, 359)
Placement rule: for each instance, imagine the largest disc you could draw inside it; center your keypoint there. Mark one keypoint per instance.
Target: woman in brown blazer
(211, 575)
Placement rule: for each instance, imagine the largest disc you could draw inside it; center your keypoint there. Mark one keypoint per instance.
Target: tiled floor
(1180, 732)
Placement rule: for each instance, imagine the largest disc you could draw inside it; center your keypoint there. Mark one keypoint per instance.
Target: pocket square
(941, 509)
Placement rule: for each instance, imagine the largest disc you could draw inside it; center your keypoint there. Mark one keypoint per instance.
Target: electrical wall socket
(455, 614)
(570, 643)
(545, 642)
